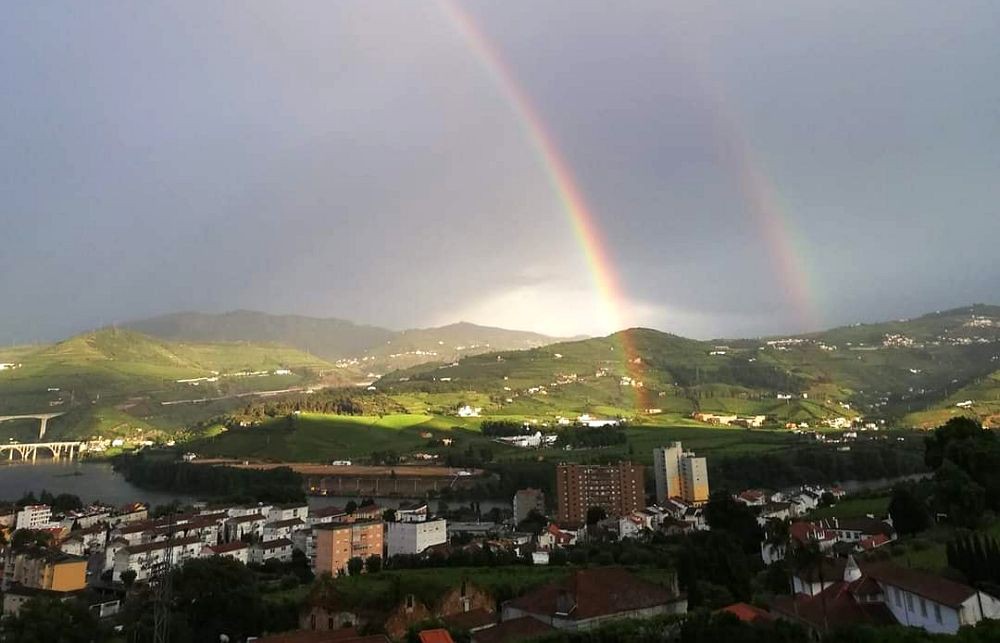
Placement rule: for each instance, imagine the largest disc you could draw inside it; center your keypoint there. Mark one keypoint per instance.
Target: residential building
(526, 501)
(414, 537)
(679, 474)
(42, 568)
(245, 527)
(326, 515)
(412, 513)
(882, 593)
(618, 489)
(33, 517)
(278, 549)
(591, 597)
(337, 543)
(516, 629)
(288, 512)
(145, 559)
(236, 550)
(282, 528)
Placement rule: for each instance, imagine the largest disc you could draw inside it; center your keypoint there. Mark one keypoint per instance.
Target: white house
(416, 513)
(279, 549)
(415, 537)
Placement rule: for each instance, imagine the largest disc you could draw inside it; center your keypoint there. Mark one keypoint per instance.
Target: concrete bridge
(30, 449)
(44, 417)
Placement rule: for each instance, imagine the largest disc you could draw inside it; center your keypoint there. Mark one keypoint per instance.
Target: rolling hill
(373, 349)
(884, 371)
(131, 376)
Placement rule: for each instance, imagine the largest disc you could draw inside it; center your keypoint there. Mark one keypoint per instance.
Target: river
(97, 481)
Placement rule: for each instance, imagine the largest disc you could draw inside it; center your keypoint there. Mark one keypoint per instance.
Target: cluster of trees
(591, 437)
(229, 483)
(976, 556)
(817, 465)
(965, 458)
(502, 428)
(60, 503)
(338, 401)
(211, 597)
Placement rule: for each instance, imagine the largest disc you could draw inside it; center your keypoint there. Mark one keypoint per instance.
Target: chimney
(851, 571)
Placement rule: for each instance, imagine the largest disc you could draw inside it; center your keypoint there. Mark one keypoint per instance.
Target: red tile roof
(516, 629)
(436, 636)
(592, 593)
(841, 608)
(748, 613)
(471, 620)
(935, 588)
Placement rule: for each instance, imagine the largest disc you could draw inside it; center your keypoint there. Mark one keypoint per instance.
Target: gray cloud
(356, 159)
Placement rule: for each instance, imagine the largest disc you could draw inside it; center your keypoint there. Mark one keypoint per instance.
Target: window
(329, 623)
(899, 599)
(937, 613)
(909, 602)
(923, 608)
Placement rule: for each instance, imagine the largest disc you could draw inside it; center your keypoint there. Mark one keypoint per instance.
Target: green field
(854, 508)
(318, 438)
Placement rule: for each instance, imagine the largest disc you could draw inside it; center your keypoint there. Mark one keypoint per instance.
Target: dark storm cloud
(355, 159)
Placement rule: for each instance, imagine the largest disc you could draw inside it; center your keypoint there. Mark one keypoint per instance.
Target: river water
(97, 481)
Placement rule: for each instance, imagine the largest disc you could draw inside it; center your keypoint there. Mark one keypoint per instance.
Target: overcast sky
(358, 160)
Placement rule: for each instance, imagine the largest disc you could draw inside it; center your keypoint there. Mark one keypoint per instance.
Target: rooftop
(517, 629)
(162, 544)
(591, 593)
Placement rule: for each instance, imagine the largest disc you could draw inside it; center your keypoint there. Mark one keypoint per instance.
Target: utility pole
(160, 582)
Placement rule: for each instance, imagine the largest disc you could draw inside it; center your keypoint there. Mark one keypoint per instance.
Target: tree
(47, 620)
(595, 515)
(389, 515)
(533, 523)
(30, 538)
(373, 564)
(355, 566)
(128, 577)
(351, 506)
(723, 512)
(909, 513)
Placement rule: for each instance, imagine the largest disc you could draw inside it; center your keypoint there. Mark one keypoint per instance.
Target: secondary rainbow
(582, 220)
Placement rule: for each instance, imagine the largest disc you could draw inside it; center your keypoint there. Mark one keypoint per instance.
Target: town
(105, 558)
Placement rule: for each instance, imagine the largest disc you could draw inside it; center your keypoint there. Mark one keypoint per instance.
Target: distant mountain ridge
(340, 340)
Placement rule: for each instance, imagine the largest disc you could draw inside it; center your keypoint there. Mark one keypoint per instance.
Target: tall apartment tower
(667, 471)
(618, 489)
(680, 474)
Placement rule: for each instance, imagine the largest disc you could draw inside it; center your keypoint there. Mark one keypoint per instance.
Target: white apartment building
(280, 549)
(279, 513)
(245, 527)
(33, 517)
(415, 537)
(145, 559)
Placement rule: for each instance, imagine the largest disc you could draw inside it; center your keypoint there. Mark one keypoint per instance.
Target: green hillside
(883, 371)
(121, 378)
(330, 339)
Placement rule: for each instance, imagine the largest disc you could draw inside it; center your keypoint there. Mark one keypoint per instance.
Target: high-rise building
(680, 474)
(526, 501)
(337, 543)
(618, 489)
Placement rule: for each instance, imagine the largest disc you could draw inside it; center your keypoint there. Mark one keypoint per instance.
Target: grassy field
(854, 508)
(318, 438)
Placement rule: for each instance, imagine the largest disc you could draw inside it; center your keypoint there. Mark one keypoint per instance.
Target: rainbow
(584, 224)
(760, 196)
